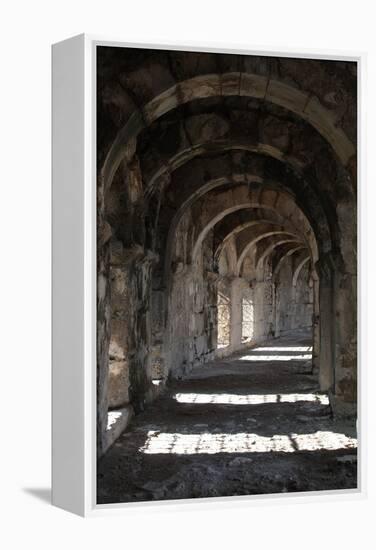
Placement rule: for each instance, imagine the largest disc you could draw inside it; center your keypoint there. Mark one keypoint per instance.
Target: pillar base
(118, 421)
(342, 408)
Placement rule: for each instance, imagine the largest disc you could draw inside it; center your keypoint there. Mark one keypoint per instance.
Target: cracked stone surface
(253, 423)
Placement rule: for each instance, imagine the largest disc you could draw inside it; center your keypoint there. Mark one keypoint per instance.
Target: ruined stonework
(226, 218)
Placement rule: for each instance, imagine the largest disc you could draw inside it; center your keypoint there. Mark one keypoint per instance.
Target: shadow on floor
(234, 427)
(41, 493)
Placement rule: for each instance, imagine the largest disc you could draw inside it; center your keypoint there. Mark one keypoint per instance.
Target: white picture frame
(74, 277)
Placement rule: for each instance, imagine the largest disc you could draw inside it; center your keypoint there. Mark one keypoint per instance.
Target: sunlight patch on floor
(304, 357)
(252, 399)
(207, 443)
(112, 418)
(291, 349)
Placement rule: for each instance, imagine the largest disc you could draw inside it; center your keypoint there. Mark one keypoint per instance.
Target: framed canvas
(206, 242)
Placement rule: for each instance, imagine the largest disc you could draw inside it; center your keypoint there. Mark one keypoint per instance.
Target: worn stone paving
(254, 423)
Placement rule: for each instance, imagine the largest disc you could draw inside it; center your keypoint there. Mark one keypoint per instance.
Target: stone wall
(191, 337)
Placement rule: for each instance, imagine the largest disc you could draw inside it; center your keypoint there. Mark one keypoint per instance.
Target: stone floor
(250, 424)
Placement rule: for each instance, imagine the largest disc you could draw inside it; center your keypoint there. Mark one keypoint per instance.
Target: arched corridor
(226, 315)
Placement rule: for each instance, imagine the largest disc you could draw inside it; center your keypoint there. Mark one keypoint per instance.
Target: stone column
(104, 233)
(327, 363)
(345, 383)
(316, 325)
(118, 372)
(276, 310)
(236, 313)
(344, 400)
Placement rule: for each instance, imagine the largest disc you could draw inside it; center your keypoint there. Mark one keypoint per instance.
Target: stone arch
(299, 269)
(270, 248)
(241, 199)
(266, 199)
(258, 186)
(257, 224)
(219, 203)
(258, 239)
(301, 103)
(283, 257)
